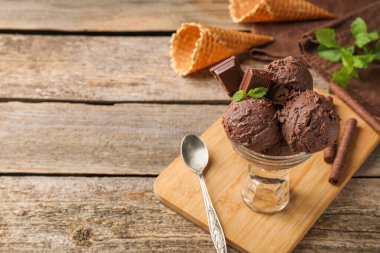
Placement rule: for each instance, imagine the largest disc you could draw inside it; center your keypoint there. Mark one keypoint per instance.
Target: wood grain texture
(371, 166)
(115, 15)
(118, 139)
(78, 138)
(102, 69)
(91, 214)
(81, 214)
(311, 193)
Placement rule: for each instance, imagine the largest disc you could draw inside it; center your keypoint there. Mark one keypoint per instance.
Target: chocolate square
(229, 74)
(254, 78)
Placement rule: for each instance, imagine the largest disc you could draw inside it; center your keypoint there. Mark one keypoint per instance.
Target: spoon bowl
(194, 153)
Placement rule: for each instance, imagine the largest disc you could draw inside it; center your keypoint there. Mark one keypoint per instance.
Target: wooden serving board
(310, 192)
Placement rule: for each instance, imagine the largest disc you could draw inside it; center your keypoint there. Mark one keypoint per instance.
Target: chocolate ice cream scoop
(290, 75)
(252, 123)
(281, 148)
(309, 123)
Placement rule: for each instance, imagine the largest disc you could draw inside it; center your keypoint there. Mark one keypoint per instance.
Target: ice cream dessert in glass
(275, 121)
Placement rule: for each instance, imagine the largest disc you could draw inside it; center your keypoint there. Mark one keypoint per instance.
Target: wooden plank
(248, 231)
(371, 167)
(116, 15)
(78, 138)
(119, 139)
(91, 214)
(103, 69)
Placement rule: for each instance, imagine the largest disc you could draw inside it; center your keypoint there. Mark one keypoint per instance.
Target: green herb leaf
(354, 73)
(347, 55)
(363, 61)
(376, 51)
(343, 76)
(363, 39)
(350, 49)
(331, 54)
(257, 92)
(362, 36)
(377, 56)
(239, 96)
(358, 26)
(326, 37)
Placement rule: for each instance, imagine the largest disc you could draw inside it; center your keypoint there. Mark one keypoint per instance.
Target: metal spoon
(194, 153)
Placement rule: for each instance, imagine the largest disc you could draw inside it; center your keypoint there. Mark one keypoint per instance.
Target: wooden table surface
(91, 112)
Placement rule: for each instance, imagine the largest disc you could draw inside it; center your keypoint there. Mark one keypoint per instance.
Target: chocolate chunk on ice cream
(229, 74)
(309, 123)
(290, 75)
(254, 78)
(252, 123)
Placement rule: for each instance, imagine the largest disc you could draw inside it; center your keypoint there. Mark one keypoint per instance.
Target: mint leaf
(331, 54)
(257, 92)
(350, 49)
(377, 56)
(239, 96)
(362, 61)
(363, 39)
(354, 73)
(326, 37)
(347, 55)
(358, 26)
(343, 76)
(376, 51)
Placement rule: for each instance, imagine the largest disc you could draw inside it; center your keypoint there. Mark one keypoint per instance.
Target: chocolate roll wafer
(340, 165)
(330, 152)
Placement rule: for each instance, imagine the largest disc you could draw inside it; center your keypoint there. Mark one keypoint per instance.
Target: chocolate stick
(356, 106)
(330, 152)
(344, 147)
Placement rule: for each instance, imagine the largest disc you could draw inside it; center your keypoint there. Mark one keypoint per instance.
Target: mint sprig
(343, 76)
(239, 96)
(353, 57)
(255, 93)
(326, 37)
(361, 34)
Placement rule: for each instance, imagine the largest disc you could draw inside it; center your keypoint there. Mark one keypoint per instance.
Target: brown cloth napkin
(287, 34)
(365, 90)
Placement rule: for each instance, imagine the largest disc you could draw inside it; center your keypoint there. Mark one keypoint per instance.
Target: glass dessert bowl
(266, 187)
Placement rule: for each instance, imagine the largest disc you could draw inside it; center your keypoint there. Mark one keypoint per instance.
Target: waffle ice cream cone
(247, 11)
(195, 46)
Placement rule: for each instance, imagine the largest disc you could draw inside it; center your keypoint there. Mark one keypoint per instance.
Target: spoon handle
(216, 230)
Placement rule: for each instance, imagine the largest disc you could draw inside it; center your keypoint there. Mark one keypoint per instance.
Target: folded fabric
(287, 34)
(365, 90)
